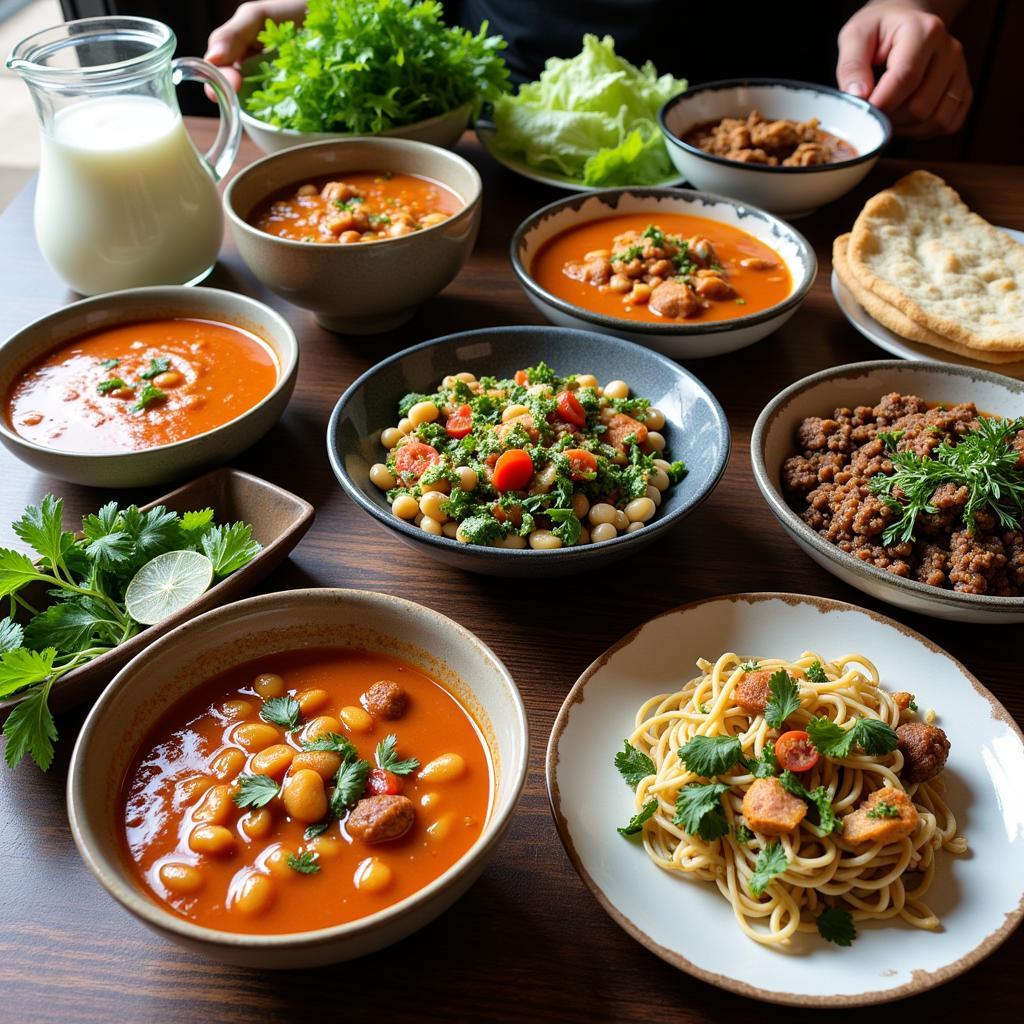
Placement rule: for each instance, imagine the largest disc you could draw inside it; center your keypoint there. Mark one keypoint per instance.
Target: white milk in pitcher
(123, 199)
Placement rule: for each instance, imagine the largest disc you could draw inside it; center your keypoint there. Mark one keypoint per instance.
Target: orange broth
(215, 373)
(174, 769)
(758, 289)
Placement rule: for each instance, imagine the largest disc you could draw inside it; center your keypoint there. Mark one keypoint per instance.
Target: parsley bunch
(85, 579)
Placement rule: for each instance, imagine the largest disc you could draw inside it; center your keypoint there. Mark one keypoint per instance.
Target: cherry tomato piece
(582, 464)
(520, 378)
(381, 782)
(570, 409)
(460, 422)
(513, 470)
(412, 460)
(795, 752)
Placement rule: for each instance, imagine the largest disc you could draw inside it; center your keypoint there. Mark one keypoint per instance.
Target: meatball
(379, 819)
(924, 748)
(385, 699)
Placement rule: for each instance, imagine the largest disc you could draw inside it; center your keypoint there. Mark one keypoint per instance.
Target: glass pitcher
(123, 198)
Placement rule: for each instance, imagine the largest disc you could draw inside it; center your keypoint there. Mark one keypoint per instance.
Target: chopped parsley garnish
(784, 699)
(255, 790)
(703, 709)
(110, 364)
(114, 384)
(312, 831)
(379, 220)
(636, 823)
(750, 666)
(766, 765)
(349, 784)
(305, 863)
(156, 367)
(819, 798)
(816, 674)
(634, 252)
(771, 861)
(912, 706)
(884, 809)
(147, 397)
(633, 765)
(709, 756)
(742, 834)
(872, 735)
(676, 471)
(387, 757)
(699, 810)
(836, 925)
(285, 712)
(332, 741)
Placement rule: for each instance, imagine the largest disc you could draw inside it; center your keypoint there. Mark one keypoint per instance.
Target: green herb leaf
(194, 525)
(255, 790)
(699, 810)
(156, 367)
(285, 712)
(884, 809)
(771, 861)
(709, 756)
(750, 666)
(742, 834)
(784, 699)
(387, 757)
(110, 364)
(636, 823)
(305, 863)
(874, 736)
(332, 741)
(633, 764)
(312, 831)
(16, 570)
(766, 765)
(836, 925)
(230, 547)
(114, 384)
(147, 397)
(71, 627)
(676, 471)
(22, 667)
(11, 635)
(30, 729)
(349, 785)
(816, 674)
(567, 526)
(819, 797)
(42, 529)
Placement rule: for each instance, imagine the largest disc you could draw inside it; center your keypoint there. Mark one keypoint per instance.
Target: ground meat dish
(924, 748)
(827, 483)
(379, 819)
(757, 140)
(385, 699)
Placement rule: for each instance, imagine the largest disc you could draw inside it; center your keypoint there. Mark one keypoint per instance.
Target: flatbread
(897, 322)
(920, 248)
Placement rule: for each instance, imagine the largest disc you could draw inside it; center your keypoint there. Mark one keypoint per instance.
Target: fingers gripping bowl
(241, 922)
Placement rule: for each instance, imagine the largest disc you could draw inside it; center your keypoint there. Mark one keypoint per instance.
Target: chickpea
(597, 254)
(324, 725)
(433, 218)
(439, 829)
(237, 709)
(256, 736)
(405, 506)
(654, 494)
(269, 684)
(257, 824)
(633, 527)
(512, 411)
(311, 701)
(620, 283)
(660, 268)
(444, 768)
(216, 806)
(324, 762)
(228, 763)
(602, 532)
(654, 419)
(580, 504)
(423, 412)
(356, 719)
(305, 798)
(181, 879)
(430, 505)
(586, 380)
(655, 441)
(602, 512)
(544, 540)
(254, 892)
(337, 190)
(350, 236)
(468, 478)
(274, 761)
(169, 379)
(431, 526)
(640, 510)
(616, 389)
(405, 425)
(399, 229)
(213, 840)
(450, 529)
(382, 477)
(640, 294)
(372, 875)
(389, 437)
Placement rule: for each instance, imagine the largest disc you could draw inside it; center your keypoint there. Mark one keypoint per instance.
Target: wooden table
(528, 942)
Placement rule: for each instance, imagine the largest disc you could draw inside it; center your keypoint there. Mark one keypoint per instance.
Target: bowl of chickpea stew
(528, 451)
(299, 778)
(687, 273)
(359, 231)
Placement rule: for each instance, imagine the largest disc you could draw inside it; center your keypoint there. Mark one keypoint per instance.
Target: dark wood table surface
(528, 942)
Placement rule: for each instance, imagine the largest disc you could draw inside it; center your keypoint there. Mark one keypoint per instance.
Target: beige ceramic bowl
(169, 461)
(367, 287)
(219, 640)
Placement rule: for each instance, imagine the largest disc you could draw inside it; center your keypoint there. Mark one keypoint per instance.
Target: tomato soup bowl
(164, 462)
(787, 191)
(678, 338)
(175, 665)
(366, 287)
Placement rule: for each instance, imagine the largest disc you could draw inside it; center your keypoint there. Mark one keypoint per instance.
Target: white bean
(640, 510)
(602, 512)
(382, 477)
(603, 531)
(544, 540)
(616, 389)
(423, 412)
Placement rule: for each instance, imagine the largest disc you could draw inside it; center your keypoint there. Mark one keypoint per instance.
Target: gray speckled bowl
(677, 338)
(367, 287)
(696, 430)
(774, 440)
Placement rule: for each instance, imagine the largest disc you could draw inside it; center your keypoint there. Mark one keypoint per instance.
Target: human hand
(233, 41)
(924, 88)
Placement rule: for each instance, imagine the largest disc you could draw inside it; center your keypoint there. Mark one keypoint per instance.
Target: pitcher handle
(221, 155)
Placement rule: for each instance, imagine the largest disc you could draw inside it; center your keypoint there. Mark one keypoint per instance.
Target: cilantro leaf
(711, 755)
(771, 861)
(283, 711)
(229, 547)
(12, 635)
(830, 739)
(750, 666)
(22, 667)
(16, 570)
(255, 790)
(312, 831)
(349, 784)
(110, 364)
(636, 823)
(156, 367)
(874, 736)
(784, 699)
(106, 544)
(699, 810)
(67, 627)
(741, 833)
(147, 397)
(332, 741)
(387, 757)
(152, 532)
(305, 863)
(633, 764)
(836, 925)
(819, 797)
(30, 729)
(766, 765)
(816, 674)
(113, 384)
(42, 529)
(194, 525)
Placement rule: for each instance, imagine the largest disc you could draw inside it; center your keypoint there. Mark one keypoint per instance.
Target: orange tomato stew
(141, 385)
(304, 790)
(365, 206)
(659, 267)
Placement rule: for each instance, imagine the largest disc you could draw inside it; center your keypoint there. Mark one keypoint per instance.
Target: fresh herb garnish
(816, 674)
(699, 810)
(114, 384)
(819, 797)
(349, 784)
(335, 742)
(884, 809)
(255, 790)
(110, 364)
(912, 706)
(305, 863)
(156, 366)
(766, 765)
(147, 397)
(709, 756)
(750, 666)
(312, 831)
(771, 861)
(282, 711)
(387, 757)
(784, 699)
(742, 834)
(633, 765)
(836, 925)
(872, 735)
(636, 823)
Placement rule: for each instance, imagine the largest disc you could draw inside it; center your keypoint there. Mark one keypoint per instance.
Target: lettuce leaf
(591, 117)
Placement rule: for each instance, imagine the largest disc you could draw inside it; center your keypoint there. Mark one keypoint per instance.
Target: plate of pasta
(825, 790)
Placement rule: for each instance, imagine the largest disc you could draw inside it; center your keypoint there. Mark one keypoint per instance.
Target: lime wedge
(165, 584)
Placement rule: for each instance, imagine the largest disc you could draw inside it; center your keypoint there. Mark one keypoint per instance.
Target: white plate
(485, 133)
(903, 347)
(980, 896)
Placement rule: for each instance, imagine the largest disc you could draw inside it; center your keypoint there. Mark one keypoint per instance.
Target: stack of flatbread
(923, 265)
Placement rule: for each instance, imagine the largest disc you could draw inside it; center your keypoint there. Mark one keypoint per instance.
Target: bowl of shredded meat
(788, 147)
(905, 480)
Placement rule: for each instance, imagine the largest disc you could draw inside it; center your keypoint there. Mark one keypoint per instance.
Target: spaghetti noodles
(781, 877)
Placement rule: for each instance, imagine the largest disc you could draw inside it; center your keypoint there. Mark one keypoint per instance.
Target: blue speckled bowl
(696, 430)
